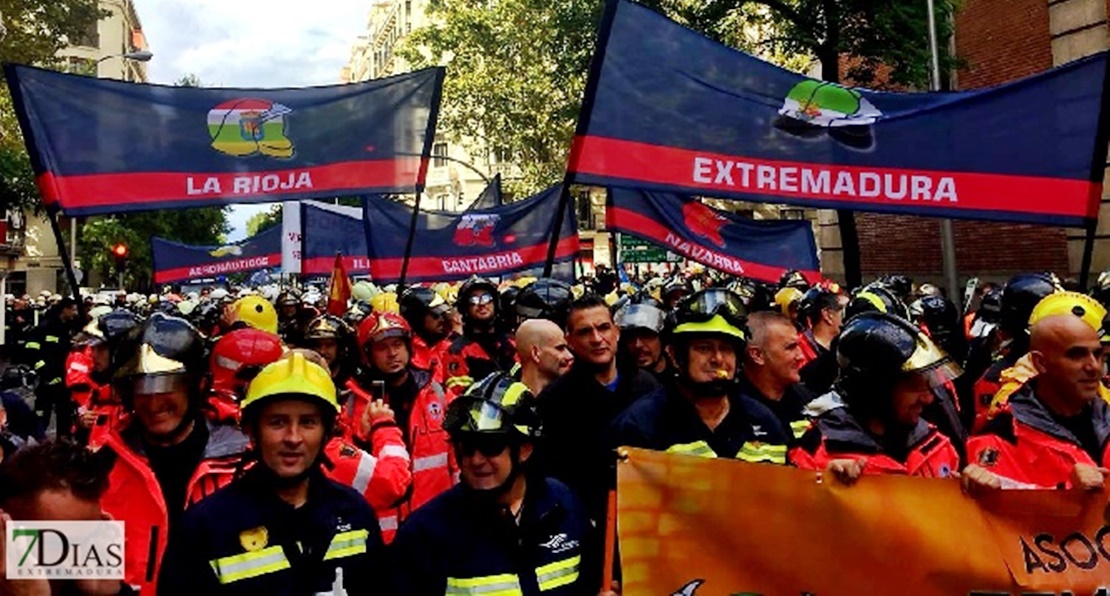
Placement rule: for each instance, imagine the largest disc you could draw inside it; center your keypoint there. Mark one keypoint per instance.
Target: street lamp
(137, 56)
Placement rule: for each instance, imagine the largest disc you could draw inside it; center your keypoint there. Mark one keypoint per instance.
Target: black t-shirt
(1083, 427)
(174, 466)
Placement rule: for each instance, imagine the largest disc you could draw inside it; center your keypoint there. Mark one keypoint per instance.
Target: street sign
(634, 250)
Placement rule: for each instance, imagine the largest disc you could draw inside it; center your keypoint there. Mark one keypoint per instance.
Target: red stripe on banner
(105, 190)
(702, 171)
(451, 267)
(213, 269)
(325, 265)
(632, 222)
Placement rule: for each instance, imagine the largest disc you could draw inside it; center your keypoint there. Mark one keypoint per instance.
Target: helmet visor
(930, 361)
(158, 384)
(641, 316)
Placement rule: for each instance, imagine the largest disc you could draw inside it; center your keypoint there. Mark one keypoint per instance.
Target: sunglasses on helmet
(705, 305)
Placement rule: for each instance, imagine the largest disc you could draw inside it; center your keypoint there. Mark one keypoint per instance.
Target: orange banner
(692, 526)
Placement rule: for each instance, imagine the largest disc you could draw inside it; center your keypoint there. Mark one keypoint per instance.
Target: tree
(203, 226)
(264, 220)
(34, 32)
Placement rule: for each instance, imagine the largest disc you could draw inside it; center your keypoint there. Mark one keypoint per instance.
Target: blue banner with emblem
(669, 110)
(106, 146)
(490, 198)
(174, 262)
(762, 250)
(330, 229)
(450, 246)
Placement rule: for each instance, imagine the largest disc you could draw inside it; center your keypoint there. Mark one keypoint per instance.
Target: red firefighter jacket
(836, 435)
(1023, 443)
(135, 497)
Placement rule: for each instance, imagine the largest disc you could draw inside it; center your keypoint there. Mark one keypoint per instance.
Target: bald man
(1053, 431)
(771, 375)
(542, 350)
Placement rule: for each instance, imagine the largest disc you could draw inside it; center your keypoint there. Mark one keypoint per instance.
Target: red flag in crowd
(339, 288)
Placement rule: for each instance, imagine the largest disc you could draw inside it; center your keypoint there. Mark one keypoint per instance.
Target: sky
(251, 43)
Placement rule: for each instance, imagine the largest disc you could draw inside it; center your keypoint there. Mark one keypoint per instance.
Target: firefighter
(169, 455)
(771, 372)
(283, 528)
(544, 298)
(1052, 430)
(822, 312)
(482, 349)
(641, 324)
(503, 529)
(46, 349)
(888, 369)
(426, 313)
(89, 376)
(333, 339)
(703, 414)
(1020, 295)
(417, 401)
(288, 305)
(236, 357)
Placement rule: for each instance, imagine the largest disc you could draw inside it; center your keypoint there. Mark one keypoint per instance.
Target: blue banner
(669, 110)
(762, 250)
(330, 229)
(105, 146)
(490, 198)
(175, 262)
(451, 246)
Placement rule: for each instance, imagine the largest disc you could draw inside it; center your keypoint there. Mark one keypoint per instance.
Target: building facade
(999, 41)
(28, 251)
(460, 168)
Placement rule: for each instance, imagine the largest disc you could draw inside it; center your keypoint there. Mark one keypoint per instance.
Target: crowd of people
(463, 438)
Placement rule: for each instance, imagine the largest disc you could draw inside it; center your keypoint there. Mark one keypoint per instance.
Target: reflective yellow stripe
(491, 585)
(248, 565)
(799, 428)
(32, 345)
(40, 364)
(459, 382)
(559, 573)
(55, 381)
(698, 448)
(53, 339)
(346, 544)
(759, 452)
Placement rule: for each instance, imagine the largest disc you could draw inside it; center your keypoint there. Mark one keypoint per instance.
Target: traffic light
(119, 254)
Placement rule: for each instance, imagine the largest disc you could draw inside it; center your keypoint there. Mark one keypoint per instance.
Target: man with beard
(543, 352)
(169, 455)
(888, 369)
(641, 324)
(426, 313)
(283, 528)
(503, 529)
(483, 349)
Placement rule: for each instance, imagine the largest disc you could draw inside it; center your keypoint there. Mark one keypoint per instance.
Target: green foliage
(517, 68)
(264, 220)
(205, 226)
(34, 32)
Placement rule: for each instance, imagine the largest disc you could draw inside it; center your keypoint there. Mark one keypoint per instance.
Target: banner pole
(71, 276)
(947, 235)
(408, 243)
(1088, 253)
(557, 227)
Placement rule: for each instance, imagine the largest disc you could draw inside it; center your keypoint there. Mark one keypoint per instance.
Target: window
(500, 155)
(790, 213)
(89, 36)
(408, 16)
(439, 152)
(585, 211)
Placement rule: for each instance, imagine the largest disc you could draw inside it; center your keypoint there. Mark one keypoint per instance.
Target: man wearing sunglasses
(704, 414)
(169, 455)
(483, 349)
(503, 529)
